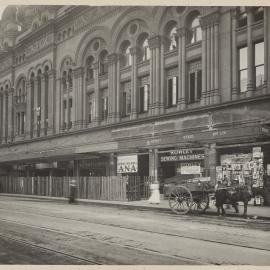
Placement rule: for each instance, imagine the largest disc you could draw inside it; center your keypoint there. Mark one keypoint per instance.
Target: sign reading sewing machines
(182, 155)
(127, 164)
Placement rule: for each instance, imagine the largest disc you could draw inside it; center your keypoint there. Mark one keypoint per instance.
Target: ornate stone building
(81, 86)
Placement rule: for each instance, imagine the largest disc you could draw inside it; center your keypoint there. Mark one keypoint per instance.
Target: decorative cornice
(210, 19)
(182, 32)
(155, 41)
(113, 58)
(78, 72)
(135, 50)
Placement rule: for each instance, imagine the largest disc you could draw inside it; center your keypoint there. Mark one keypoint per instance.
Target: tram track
(27, 243)
(126, 246)
(178, 235)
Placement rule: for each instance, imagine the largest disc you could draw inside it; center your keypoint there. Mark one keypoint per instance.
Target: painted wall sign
(127, 164)
(182, 155)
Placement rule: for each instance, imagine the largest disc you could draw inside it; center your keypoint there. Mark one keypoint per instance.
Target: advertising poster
(127, 164)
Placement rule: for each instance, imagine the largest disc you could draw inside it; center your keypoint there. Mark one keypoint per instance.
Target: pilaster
(96, 119)
(10, 115)
(51, 102)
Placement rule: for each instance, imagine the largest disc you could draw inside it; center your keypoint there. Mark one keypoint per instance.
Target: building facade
(165, 90)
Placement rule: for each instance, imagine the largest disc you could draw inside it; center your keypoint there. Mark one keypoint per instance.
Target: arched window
(64, 80)
(89, 68)
(103, 63)
(145, 50)
(173, 39)
(127, 59)
(258, 14)
(195, 30)
(242, 17)
(70, 79)
(144, 46)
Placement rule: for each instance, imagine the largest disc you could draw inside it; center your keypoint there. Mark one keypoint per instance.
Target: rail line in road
(178, 235)
(27, 243)
(145, 250)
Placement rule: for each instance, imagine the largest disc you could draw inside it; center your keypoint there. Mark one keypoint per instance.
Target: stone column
(216, 64)
(113, 165)
(153, 163)
(134, 82)
(235, 90)
(181, 102)
(52, 113)
(204, 67)
(250, 56)
(155, 73)
(5, 116)
(42, 105)
(1, 117)
(267, 40)
(266, 49)
(162, 77)
(79, 98)
(117, 109)
(58, 107)
(112, 87)
(35, 117)
(210, 26)
(211, 154)
(29, 118)
(97, 96)
(10, 115)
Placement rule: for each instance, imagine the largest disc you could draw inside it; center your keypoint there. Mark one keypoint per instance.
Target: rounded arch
(46, 63)
(66, 61)
(190, 16)
(133, 13)
(7, 84)
(38, 67)
(19, 78)
(96, 32)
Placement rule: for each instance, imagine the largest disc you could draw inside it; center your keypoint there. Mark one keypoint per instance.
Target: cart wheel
(200, 203)
(180, 200)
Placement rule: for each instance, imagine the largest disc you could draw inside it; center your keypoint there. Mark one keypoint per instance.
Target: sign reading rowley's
(127, 164)
(183, 155)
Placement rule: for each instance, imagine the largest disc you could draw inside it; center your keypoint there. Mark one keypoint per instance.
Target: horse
(233, 195)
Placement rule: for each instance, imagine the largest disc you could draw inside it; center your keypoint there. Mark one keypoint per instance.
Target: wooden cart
(189, 195)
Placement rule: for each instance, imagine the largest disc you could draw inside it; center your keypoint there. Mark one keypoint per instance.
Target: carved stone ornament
(113, 58)
(210, 19)
(78, 72)
(155, 42)
(182, 32)
(135, 50)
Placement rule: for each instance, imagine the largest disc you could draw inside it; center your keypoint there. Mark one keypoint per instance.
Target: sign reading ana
(127, 164)
(183, 155)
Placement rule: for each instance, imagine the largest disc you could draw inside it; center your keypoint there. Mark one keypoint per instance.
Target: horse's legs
(245, 209)
(235, 206)
(223, 211)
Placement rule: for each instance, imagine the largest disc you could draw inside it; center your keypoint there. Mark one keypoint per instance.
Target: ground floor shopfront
(230, 144)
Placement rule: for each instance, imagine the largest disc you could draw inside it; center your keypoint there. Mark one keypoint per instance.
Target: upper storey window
(89, 68)
(127, 59)
(242, 17)
(243, 69)
(259, 64)
(195, 30)
(103, 63)
(170, 32)
(173, 39)
(144, 48)
(258, 14)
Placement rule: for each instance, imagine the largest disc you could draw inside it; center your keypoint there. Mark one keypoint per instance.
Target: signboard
(127, 164)
(190, 168)
(256, 152)
(183, 155)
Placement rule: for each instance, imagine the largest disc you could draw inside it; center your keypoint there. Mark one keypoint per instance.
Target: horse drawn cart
(186, 195)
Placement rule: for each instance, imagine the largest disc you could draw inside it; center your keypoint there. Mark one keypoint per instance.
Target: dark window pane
(199, 84)
(124, 103)
(170, 83)
(192, 87)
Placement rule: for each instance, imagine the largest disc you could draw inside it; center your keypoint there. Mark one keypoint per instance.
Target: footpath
(254, 212)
